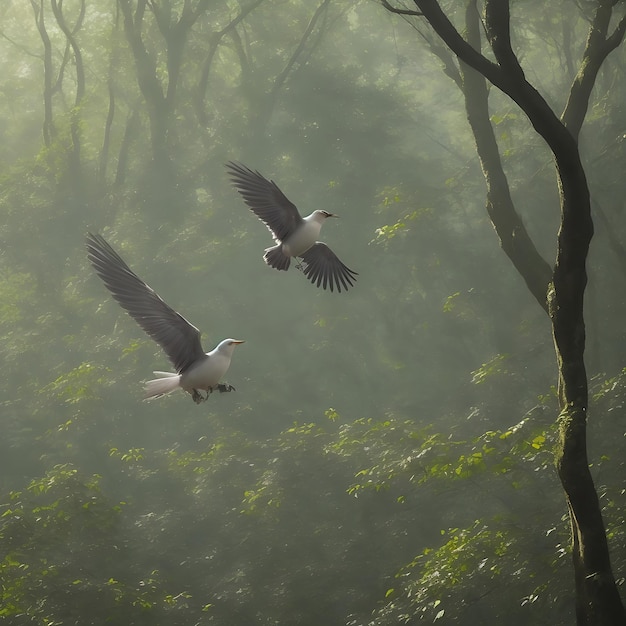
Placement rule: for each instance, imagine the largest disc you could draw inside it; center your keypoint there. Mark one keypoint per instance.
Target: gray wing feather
(179, 338)
(265, 200)
(323, 267)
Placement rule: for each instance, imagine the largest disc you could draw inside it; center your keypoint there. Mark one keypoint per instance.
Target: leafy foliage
(359, 474)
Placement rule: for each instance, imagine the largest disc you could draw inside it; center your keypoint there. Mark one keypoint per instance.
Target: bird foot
(197, 397)
(225, 387)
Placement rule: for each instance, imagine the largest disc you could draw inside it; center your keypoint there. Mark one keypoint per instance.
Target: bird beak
(332, 215)
(239, 341)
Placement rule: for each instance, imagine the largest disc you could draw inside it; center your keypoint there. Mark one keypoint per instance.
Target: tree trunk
(597, 598)
(561, 291)
(48, 123)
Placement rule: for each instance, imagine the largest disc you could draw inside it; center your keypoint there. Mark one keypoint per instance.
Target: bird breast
(303, 238)
(206, 373)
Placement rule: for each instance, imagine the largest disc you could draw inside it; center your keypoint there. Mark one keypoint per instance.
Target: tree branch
(48, 125)
(513, 84)
(444, 28)
(398, 11)
(282, 77)
(513, 236)
(57, 9)
(498, 29)
(597, 48)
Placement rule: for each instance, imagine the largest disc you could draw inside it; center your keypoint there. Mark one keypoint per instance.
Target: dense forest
(441, 443)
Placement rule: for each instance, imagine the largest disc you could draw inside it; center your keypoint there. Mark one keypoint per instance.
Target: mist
(387, 455)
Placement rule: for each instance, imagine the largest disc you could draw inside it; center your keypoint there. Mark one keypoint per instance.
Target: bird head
(228, 345)
(320, 215)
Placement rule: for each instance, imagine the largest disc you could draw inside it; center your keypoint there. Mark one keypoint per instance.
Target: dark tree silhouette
(559, 290)
(159, 95)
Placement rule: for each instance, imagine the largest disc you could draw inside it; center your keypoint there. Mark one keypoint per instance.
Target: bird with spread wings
(295, 236)
(196, 370)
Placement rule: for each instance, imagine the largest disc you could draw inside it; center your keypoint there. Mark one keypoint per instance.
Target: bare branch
(48, 124)
(498, 29)
(19, 46)
(459, 46)
(216, 39)
(597, 48)
(450, 69)
(57, 9)
(282, 77)
(398, 11)
(616, 38)
(514, 238)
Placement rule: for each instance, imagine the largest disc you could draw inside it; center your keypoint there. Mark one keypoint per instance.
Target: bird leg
(197, 397)
(225, 387)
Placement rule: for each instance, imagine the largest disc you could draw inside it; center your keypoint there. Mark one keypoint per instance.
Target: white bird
(295, 236)
(195, 370)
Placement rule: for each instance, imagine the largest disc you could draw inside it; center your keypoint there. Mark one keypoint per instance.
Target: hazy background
(386, 455)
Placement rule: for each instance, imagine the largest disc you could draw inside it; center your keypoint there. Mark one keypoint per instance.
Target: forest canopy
(388, 455)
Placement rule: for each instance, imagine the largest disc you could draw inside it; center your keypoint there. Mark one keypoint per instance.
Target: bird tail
(165, 383)
(275, 257)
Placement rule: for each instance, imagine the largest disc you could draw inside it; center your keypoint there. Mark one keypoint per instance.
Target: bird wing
(265, 200)
(322, 266)
(179, 338)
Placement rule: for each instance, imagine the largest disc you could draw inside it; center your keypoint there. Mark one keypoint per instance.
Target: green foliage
(133, 455)
(604, 388)
(365, 429)
(392, 200)
(403, 454)
(450, 303)
(494, 367)
(43, 530)
(385, 233)
(80, 384)
(54, 534)
(262, 499)
(473, 557)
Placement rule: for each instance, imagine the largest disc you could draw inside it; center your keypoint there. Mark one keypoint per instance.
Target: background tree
(386, 457)
(560, 293)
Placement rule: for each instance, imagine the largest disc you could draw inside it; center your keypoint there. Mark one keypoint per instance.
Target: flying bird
(295, 236)
(196, 370)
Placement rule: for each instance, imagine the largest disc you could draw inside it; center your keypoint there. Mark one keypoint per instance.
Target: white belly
(206, 374)
(302, 239)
